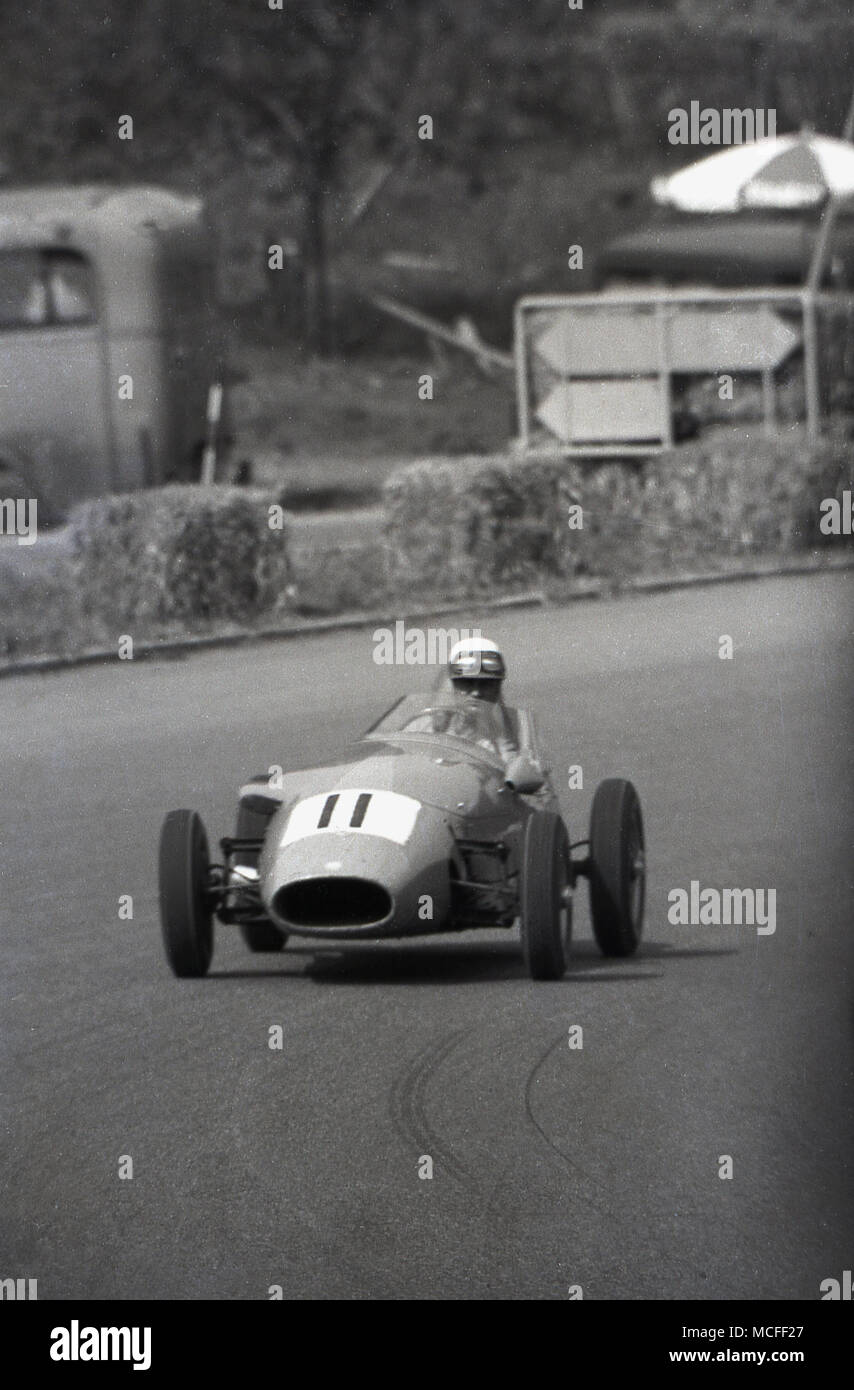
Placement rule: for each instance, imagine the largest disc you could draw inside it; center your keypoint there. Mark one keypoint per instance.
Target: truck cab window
(45, 288)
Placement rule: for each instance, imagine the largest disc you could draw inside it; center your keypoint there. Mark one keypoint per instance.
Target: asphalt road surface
(553, 1167)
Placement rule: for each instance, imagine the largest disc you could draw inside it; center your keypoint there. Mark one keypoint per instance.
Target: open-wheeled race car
(440, 818)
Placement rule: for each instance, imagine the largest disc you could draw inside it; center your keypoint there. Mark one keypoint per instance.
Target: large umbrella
(784, 171)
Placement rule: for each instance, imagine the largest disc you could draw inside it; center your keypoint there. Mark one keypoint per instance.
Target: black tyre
(259, 936)
(546, 899)
(617, 867)
(185, 910)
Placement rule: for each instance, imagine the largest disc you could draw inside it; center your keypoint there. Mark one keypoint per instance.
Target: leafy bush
(474, 525)
(40, 612)
(179, 555)
(339, 579)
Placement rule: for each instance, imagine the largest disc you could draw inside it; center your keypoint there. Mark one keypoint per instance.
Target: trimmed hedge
(473, 523)
(181, 560)
(40, 609)
(178, 556)
(739, 495)
(338, 579)
(477, 524)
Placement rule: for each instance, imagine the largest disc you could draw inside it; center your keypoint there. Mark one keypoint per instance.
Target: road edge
(341, 622)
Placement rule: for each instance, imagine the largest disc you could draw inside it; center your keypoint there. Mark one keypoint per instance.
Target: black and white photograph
(426, 666)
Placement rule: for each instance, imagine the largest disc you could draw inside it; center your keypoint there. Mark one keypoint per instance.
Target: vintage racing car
(435, 820)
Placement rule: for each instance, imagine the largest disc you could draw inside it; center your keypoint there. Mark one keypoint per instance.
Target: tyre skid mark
(407, 1106)
(529, 1111)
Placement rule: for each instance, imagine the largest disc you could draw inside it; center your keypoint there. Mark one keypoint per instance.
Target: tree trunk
(316, 262)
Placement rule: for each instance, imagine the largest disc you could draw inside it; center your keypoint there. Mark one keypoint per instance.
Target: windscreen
(471, 721)
(45, 288)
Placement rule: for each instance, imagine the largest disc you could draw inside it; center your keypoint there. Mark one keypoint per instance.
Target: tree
(310, 84)
(321, 95)
(321, 88)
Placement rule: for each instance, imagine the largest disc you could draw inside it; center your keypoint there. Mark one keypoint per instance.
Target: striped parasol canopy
(784, 171)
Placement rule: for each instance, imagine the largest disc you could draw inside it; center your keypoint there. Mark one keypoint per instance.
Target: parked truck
(108, 343)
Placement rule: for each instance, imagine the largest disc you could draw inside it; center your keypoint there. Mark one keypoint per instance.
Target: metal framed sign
(594, 371)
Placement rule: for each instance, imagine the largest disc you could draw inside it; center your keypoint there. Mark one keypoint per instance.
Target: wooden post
(662, 321)
(811, 375)
(213, 417)
(521, 364)
(769, 402)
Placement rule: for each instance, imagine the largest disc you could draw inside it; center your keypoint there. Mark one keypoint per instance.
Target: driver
(476, 669)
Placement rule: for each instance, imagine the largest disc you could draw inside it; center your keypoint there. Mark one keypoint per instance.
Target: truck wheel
(617, 867)
(185, 909)
(546, 899)
(259, 936)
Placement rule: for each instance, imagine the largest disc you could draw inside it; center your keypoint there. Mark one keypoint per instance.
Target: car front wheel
(617, 867)
(185, 909)
(546, 896)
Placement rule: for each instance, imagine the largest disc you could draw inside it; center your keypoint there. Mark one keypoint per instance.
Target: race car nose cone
(334, 880)
(333, 901)
(352, 882)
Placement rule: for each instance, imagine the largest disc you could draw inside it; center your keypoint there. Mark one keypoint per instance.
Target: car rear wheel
(546, 896)
(185, 909)
(617, 867)
(261, 936)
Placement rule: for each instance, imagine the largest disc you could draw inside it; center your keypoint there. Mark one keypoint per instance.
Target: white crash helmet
(476, 659)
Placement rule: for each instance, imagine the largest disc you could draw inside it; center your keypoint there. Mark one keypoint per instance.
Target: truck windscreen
(43, 287)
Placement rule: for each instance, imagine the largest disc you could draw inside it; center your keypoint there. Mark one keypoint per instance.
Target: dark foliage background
(299, 125)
